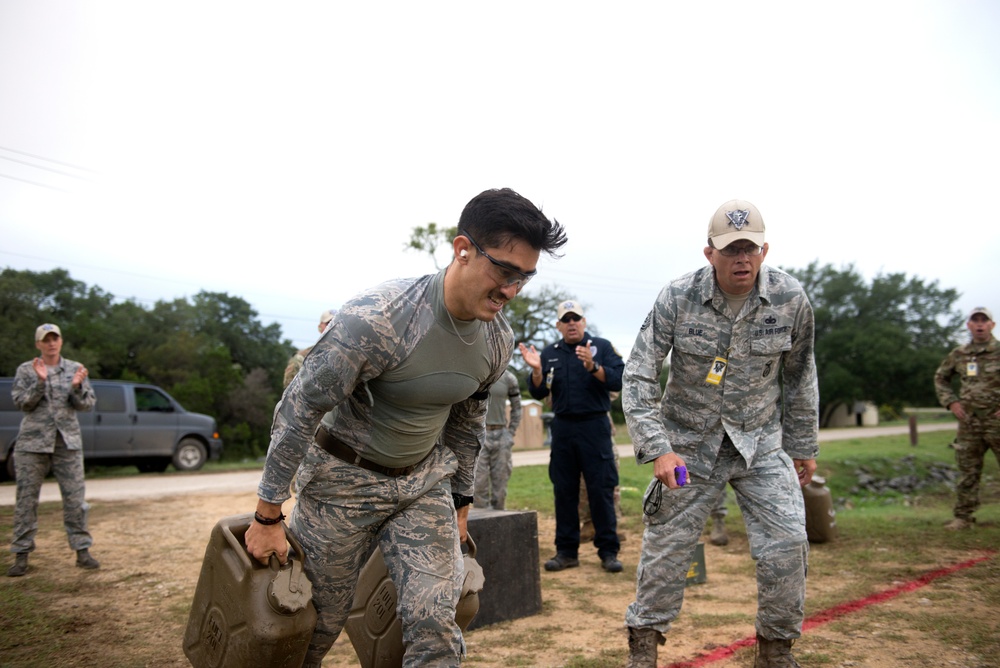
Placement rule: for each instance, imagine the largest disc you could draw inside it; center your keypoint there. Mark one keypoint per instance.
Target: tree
(532, 317)
(232, 323)
(28, 298)
(878, 342)
(429, 239)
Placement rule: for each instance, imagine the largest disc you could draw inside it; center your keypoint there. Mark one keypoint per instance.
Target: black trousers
(584, 446)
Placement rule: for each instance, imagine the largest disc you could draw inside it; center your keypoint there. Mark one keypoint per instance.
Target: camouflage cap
(569, 306)
(47, 328)
(981, 309)
(734, 220)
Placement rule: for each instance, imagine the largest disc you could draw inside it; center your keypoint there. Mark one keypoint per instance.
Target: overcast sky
(283, 152)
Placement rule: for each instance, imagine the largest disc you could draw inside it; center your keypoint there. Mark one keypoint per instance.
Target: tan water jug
(376, 632)
(246, 614)
(821, 519)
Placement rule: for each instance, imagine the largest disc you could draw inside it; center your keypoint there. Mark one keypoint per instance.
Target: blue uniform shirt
(575, 391)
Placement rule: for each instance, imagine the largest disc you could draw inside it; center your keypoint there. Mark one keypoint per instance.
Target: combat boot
(719, 535)
(642, 647)
(774, 654)
(84, 560)
(959, 524)
(20, 566)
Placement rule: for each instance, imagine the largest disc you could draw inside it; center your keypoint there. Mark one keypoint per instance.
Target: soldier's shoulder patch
(646, 323)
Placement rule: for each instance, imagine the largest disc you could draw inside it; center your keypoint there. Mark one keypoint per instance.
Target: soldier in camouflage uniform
(740, 408)
(496, 459)
(400, 381)
(977, 365)
(50, 390)
(295, 361)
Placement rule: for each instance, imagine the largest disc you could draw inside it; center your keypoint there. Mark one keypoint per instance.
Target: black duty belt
(346, 453)
(580, 417)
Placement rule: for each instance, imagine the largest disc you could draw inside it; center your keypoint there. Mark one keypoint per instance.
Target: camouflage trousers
(770, 499)
(341, 510)
(31, 468)
(976, 436)
(493, 469)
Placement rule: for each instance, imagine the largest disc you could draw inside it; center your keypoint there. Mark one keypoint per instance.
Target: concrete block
(507, 550)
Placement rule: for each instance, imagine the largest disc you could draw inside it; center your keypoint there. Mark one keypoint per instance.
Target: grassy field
(903, 515)
(884, 536)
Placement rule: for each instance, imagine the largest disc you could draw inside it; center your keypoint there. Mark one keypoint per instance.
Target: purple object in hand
(681, 474)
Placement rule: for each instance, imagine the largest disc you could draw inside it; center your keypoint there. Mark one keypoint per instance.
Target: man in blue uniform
(579, 372)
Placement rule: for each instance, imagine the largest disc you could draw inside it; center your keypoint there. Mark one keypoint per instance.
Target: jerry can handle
(470, 545)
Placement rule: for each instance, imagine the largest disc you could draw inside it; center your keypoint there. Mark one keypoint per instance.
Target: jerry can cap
(289, 590)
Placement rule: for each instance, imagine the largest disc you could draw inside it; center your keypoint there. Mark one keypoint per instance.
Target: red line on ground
(836, 611)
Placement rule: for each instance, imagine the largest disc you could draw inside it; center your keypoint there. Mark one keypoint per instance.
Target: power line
(41, 157)
(48, 169)
(35, 183)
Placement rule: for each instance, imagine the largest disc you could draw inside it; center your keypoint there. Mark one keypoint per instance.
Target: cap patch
(737, 218)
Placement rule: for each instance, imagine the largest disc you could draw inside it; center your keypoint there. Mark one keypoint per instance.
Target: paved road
(152, 485)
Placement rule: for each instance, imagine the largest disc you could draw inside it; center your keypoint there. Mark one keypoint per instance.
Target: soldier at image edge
(976, 407)
(741, 407)
(400, 382)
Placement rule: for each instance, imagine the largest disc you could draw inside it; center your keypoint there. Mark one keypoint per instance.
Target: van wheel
(190, 455)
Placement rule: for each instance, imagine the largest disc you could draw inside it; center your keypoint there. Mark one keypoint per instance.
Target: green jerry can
(373, 626)
(246, 614)
(821, 519)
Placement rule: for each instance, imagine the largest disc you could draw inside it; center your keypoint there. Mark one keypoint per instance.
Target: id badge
(716, 371)
(972, 369)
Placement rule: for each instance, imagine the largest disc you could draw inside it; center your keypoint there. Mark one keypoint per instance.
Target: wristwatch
(597, 367)
(461, 500)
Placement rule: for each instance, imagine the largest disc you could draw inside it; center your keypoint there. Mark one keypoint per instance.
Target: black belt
(580, 417)
(346, 453)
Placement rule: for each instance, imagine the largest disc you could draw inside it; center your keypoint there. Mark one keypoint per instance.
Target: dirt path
(162, 485)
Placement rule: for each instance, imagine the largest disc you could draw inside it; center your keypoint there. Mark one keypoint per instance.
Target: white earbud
(463, 253)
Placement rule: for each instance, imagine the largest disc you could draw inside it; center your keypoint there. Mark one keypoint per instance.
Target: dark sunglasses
(570, 317)
(504, 274)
